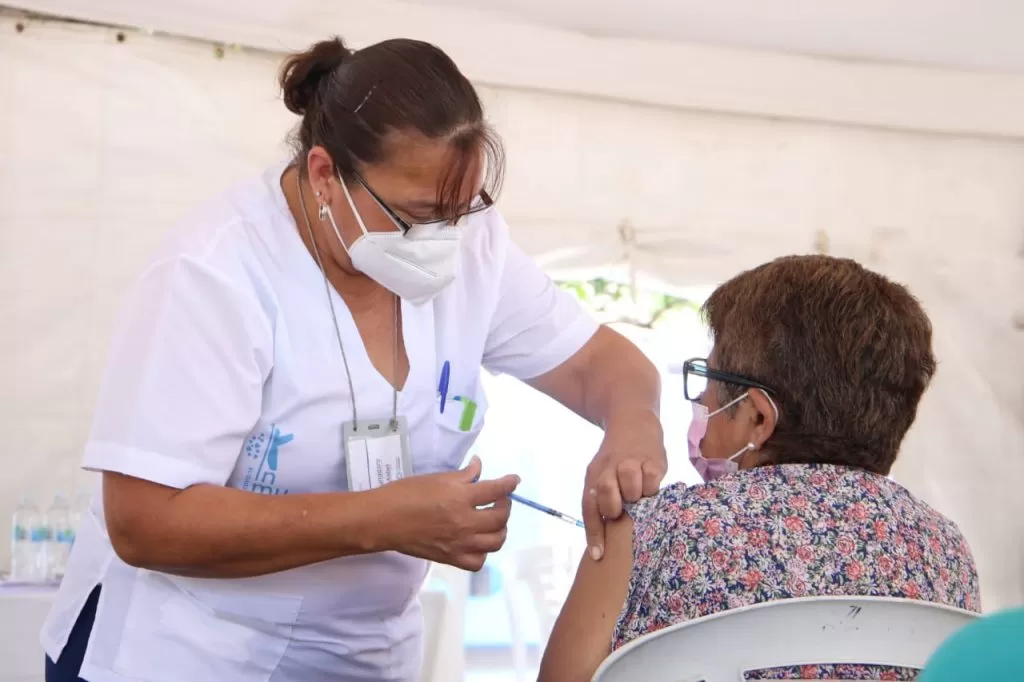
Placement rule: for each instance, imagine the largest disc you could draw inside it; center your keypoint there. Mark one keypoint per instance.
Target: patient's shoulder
(674, 500)
(678, 511)
(712, 511)
(660, 506)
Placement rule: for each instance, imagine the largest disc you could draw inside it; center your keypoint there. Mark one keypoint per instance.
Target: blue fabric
(991, 648)
(68, 665)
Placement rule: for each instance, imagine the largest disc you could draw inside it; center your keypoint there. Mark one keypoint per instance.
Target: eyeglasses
(482, 203)
(696, 375)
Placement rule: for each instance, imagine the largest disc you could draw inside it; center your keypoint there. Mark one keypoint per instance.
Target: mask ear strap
(730, 403)
(352, 205)
(748, 446)
(751, 445)
(772, 403)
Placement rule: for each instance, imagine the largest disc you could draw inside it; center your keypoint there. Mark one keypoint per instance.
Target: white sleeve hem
(147, 465)
(561, 348)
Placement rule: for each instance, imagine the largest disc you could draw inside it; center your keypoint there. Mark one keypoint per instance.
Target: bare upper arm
(583, 633)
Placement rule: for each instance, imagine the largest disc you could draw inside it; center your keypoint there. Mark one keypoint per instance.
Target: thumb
(472, 471)
(594, 524)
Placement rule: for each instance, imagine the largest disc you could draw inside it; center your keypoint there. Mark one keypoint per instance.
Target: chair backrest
(547, 571)
(435, 605)
(805, 631)
(443, 599)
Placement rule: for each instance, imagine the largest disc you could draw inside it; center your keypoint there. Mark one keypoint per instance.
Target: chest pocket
(457, 428)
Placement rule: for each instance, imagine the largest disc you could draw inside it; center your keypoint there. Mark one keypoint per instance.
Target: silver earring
(322, 212)
(752, 445)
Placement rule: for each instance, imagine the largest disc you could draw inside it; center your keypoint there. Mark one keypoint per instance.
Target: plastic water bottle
(79, 509)
(61, 533)
(28, 547)
(39, 535)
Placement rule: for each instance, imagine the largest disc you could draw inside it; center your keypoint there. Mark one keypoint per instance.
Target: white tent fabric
(104, 144)
(530, 44)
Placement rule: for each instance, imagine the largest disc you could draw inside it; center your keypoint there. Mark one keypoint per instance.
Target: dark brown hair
(847, 353)
(350, 101)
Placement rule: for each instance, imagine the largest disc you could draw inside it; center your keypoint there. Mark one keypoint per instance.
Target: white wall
(103, 145)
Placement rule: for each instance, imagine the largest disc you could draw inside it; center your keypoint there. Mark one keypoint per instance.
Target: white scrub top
(225, 370)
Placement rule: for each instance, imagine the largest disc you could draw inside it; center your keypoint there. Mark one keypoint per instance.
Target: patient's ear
(765, 417)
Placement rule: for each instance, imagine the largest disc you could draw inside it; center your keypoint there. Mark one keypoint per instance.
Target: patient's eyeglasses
(696, 374)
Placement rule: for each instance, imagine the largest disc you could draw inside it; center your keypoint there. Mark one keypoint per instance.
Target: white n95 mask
(416, 266)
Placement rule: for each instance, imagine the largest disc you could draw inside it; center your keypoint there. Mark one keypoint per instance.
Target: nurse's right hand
(451, 518)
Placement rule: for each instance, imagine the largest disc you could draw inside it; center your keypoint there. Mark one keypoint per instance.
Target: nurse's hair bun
(304, 74)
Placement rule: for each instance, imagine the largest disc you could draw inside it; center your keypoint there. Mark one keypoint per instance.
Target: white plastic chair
(444, 616)
(435, 612)
(546, 571)
(805, 631)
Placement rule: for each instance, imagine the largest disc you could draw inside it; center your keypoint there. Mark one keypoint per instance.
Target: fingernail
(596, 552)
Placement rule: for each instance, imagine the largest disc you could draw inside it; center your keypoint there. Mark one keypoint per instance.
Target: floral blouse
(790, 531)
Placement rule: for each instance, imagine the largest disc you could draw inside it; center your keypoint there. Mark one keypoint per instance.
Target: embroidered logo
(263, 450)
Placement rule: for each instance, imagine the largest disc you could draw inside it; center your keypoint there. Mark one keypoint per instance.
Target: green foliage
(613, 301)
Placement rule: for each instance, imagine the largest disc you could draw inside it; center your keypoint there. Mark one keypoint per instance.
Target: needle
(546, 510)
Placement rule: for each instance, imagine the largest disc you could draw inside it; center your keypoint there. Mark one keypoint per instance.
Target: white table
(23, 610)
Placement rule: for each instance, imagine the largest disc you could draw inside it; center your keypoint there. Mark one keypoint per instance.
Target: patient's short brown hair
(847, 352)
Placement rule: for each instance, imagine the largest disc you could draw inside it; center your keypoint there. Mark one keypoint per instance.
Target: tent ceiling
(961, 34)
(951, 34)
(730, 56)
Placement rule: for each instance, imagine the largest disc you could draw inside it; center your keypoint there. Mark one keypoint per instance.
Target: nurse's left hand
(629, 465)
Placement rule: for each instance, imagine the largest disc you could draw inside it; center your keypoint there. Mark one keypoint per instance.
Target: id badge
(375, 453)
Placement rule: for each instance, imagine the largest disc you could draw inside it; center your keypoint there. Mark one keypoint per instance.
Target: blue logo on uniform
(263, 449)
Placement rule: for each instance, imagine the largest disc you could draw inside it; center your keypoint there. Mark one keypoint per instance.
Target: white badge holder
(376, 452)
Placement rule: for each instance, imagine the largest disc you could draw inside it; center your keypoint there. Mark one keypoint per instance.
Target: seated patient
(816, 372)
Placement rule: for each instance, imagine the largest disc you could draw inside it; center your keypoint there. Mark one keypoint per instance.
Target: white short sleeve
(536, 325)
(184, 382)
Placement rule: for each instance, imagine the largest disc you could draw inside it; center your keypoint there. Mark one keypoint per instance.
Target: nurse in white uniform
(294, 385)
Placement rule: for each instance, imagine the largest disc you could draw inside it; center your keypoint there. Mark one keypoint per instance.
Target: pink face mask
(711, 469)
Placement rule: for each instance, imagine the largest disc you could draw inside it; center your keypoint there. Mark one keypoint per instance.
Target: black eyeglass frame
(405, 225)
(699, 367)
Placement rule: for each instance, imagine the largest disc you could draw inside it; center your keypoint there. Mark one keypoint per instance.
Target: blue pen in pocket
(442, 384)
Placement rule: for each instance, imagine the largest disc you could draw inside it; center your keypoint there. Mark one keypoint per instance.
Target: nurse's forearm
(619, 382)
(215, 532)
